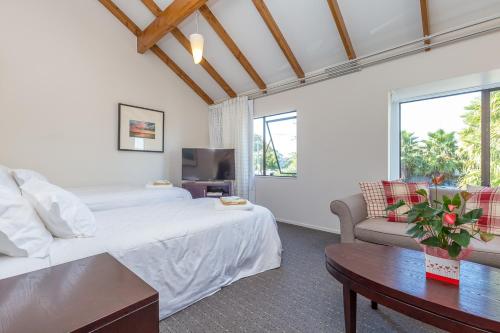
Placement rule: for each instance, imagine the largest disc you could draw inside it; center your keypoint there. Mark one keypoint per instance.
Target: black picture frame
(120, 148)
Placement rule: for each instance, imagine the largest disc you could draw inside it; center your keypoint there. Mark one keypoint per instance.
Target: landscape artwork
(141, 129)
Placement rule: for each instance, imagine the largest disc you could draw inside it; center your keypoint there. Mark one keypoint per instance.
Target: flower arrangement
(444, 224)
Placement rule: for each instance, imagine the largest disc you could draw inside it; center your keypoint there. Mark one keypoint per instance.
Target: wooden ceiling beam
(278, 36)
(174, 14)
(153, 7)
(339, 22)
(123, 18)
(424, 12)
(231, 45)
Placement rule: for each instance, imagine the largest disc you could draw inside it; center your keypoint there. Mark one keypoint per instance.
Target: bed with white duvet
(185, 249)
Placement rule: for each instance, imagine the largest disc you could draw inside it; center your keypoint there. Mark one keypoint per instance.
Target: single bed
(185, 249)
(99, 198)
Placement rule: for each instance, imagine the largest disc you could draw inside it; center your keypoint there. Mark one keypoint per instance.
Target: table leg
(374, 305)
(349, 310)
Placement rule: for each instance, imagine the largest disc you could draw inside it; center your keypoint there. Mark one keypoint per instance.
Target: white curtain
(231, 126)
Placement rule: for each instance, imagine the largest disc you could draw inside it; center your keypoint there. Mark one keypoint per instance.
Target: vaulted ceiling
(252, 43)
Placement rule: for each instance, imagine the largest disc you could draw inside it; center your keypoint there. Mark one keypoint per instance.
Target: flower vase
(439, 266)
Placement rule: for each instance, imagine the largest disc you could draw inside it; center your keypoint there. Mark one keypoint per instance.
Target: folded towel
(220, 206)
(151, 185)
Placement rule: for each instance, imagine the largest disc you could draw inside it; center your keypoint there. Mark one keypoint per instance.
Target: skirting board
(309, 226)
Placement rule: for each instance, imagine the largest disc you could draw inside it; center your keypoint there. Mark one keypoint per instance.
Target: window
(275, 145)
(457, 135)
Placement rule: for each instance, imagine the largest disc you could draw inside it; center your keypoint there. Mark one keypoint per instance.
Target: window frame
(264, 148)
(485, 126)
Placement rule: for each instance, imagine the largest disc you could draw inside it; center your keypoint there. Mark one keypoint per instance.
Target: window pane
(258, 145)
(442, 135)
(495, 138)
(284, 138)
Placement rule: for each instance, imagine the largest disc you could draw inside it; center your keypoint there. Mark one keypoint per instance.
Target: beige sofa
(355, 227)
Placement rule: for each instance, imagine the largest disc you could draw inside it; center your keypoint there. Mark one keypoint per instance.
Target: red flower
(438, 180)
(451, 207)
(449, 218)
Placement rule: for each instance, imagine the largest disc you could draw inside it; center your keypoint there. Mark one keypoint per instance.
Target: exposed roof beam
(153, 7)
(339, 22)
(123, 18)
(424, 12)
(278, 36)
(231, 45)
(174, 14)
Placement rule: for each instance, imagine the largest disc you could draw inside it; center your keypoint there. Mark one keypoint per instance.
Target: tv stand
(209, 189)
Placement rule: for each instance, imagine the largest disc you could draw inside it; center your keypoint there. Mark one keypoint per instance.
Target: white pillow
(22, 233)
(7, 181)
(23, 175)
(62, 212)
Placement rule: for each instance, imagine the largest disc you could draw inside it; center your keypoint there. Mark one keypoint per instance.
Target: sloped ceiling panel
(310, 31)
(446, 14)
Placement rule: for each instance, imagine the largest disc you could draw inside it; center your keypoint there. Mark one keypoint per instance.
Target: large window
(457, 135)
(275, 145)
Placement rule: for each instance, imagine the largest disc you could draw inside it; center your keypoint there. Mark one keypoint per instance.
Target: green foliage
(288, 164)
(441, 153)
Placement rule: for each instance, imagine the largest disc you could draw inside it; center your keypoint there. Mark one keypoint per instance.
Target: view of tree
(460, 161)
(288, 163)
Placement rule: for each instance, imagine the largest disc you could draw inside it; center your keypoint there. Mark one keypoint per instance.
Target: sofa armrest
(350, 210)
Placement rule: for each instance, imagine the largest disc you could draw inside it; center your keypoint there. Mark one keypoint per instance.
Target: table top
(85, 293)
(400, 273)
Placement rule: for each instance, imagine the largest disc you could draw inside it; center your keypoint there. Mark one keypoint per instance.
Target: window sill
(275, 177)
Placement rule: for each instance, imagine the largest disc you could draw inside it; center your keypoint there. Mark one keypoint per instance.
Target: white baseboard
(310, 226)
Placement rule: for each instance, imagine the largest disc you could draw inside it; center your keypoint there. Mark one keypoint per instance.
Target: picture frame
(140, 129)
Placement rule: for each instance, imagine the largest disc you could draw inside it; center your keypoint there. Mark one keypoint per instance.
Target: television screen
(207, 164)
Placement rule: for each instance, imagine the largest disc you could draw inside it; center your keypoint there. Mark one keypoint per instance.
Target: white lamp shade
(196, 47)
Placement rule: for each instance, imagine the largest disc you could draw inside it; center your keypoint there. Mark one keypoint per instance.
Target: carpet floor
(300, 296)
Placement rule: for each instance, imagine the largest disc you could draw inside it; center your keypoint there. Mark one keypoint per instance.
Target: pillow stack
(33, 211)
(379, 195)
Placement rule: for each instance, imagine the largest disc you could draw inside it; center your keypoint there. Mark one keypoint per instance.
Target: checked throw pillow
(488, 199)
(397, 190)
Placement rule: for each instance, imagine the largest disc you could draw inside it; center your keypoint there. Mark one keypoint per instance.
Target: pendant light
(196, 44)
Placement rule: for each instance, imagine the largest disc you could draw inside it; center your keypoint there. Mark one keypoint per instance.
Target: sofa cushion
(488, 199)
(396, 191)
(380, 231)
(374, 195)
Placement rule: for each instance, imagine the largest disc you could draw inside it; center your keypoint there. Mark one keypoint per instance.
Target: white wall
(342, 129)
(65, 65)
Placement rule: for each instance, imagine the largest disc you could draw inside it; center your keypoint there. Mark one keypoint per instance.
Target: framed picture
(140, 129)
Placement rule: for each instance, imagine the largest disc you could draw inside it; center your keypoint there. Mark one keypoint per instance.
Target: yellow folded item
(232, 201)
(162, 182)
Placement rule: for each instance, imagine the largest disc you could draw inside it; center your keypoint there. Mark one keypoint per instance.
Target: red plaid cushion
(374, 195)
(489, 200)
(397, 190)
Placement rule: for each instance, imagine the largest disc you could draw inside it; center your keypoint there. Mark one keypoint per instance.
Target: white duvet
(99, 198)
(185, 249)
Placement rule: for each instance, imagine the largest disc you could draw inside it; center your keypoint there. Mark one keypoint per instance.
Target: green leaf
(422, 192)
(437, 225)
(486, 236)
(456, 200)
(462, 238)
(473, 214)
(431, 241)
(454, 250)
(446, 201)
(398, 204)
(413, 215)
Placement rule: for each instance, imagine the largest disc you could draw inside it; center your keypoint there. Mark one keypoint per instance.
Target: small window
(275, 145)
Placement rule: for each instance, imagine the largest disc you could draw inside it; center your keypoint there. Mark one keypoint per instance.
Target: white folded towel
(220, 206)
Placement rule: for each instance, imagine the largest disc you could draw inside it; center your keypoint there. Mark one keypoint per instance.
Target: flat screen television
(207, 164)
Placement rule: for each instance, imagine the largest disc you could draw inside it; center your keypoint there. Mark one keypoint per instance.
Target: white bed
(185, 249)
(99, 198)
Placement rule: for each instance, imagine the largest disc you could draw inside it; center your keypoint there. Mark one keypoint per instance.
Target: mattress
(99, 198)
(185, 249)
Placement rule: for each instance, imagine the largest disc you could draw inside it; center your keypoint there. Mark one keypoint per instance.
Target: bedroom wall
(65, 65)
(343, 128)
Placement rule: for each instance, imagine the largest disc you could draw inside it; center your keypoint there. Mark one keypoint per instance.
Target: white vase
(442, 269)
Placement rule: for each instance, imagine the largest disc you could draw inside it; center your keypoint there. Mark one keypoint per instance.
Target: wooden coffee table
(95, 294)
(395, 277)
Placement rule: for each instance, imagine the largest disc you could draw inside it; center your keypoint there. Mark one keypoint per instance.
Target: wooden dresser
(95, 294)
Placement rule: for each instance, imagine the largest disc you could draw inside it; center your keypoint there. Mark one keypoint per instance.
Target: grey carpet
(300, 296)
